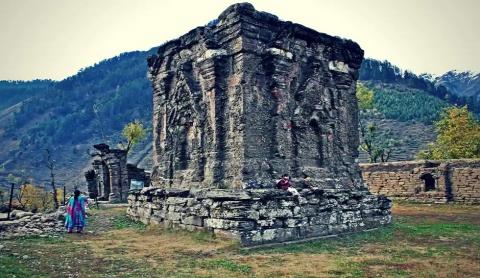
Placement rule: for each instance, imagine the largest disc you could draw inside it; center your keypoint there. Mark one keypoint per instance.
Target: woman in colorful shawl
(75, 217)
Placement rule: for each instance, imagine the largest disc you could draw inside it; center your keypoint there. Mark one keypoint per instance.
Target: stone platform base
(261, 216)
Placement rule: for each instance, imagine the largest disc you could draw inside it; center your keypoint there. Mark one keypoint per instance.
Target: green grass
(227, 264)
(438, 229)
(124, 222)
(444, 239)
(353, 242)
(10, 267)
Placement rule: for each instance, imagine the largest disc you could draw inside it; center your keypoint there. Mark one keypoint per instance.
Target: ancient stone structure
(426, 181)
(261, 216)
(111, 176)
(241, 101)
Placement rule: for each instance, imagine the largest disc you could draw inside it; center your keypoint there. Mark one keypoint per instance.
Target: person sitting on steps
(285, 184)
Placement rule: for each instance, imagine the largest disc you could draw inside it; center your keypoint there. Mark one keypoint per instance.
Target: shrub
(36, 198)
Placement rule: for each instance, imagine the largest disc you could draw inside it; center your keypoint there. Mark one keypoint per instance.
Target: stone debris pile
(23, 223)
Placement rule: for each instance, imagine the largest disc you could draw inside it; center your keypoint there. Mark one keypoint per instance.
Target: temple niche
(111, 177)
(238, 103)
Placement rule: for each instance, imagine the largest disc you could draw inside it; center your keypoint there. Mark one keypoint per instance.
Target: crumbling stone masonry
(110, 177)
(426, 181)
(241, 101)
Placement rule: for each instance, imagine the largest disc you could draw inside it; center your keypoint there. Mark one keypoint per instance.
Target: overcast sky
(55, 38)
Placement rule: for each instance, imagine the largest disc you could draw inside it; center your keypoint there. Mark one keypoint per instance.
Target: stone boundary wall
(261, 216)
(425, 181)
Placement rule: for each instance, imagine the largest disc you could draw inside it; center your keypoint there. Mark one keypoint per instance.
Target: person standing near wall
(76, 212)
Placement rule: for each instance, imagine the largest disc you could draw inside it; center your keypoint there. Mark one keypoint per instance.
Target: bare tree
(96, 109)
(51, 166)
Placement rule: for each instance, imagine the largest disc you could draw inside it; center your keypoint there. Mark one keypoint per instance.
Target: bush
(458, 136)
(36, 198)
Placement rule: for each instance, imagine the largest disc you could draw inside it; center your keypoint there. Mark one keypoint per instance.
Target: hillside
(448, 87)
(69, 116)
(461, 83)
(408, 105)
(13, 92)
(408, 114)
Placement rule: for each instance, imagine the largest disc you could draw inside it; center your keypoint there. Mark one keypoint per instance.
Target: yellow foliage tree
(364, 96)
(31, 197)
(134, 132)
(36, 198)
(458, 136)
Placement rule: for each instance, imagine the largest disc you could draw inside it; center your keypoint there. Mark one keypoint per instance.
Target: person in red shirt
(285, 184)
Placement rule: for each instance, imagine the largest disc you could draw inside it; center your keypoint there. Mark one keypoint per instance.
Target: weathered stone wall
(261, 216)
(451, 180)
(242, 101)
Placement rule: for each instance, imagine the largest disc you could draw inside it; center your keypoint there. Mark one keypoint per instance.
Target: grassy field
(423, 241)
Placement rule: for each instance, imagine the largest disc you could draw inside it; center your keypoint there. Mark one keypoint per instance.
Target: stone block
(229, 224)
(178, 201)
(193, 220)
(274, 212)
(221, 212)
(224, 194)
(173, 216)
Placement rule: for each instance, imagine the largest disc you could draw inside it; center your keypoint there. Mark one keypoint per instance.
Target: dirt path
(102, 220)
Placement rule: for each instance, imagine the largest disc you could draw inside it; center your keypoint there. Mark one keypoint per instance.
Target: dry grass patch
(158, 247)
(289, 265)
(454, 213)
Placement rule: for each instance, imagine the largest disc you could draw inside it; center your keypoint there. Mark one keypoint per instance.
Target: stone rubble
(24, 223)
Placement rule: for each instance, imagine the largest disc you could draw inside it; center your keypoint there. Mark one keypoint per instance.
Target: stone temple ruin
(238, 103)
(111, 177)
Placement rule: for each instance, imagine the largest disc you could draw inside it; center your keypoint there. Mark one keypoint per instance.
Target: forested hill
(384, 72)
(13, 92)
(408, 104)
(68, 116)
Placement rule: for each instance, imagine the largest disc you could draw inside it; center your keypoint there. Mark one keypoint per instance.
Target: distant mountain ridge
(466, 84)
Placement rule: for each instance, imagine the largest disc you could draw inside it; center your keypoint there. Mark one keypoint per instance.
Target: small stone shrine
(111, 177)
(237, 104)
